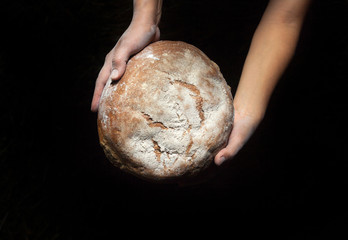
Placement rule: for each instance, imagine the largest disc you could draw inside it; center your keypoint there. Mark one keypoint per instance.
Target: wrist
(147, 12)
(251, 99)
(249, 110)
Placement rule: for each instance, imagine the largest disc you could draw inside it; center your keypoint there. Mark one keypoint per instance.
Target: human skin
(142, 30)
(270, 52)
(272, 47)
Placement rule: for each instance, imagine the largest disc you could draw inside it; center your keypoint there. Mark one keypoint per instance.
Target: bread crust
(169, 114)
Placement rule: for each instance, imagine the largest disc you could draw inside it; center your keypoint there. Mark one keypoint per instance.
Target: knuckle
(117, 61)
(108, 56)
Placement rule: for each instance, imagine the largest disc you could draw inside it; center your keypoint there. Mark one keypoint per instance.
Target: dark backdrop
(55, 182)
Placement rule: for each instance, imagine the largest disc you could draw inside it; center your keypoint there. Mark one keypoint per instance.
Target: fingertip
(224, 155)
(219, 158)
(96, 97)
(114, 75)
(118, 67)
(99, 86)
(94, 108)
(94, 105)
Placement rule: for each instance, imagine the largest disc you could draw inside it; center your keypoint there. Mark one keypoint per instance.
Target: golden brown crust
(168, 115)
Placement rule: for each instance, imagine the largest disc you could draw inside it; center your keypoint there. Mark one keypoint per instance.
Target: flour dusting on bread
(168, 115)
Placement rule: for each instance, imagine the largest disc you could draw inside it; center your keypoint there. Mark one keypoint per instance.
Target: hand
(243, 127)
(272, 47)
(134, 39)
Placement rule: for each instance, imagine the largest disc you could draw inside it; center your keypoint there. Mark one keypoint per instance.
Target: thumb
(233, 147)
(119, 62)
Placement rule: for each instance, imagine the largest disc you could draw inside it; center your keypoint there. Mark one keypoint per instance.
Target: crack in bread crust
(153, 123)
(157, 150)
(158, 153)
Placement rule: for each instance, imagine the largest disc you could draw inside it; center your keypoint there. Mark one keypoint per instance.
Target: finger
(99, 86)
(233, 147)
(119, 62)
(157, 35)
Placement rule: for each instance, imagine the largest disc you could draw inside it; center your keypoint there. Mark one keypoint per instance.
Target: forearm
(147, 11)
(272, 47)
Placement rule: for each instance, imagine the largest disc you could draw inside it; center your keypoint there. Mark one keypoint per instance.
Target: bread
(168, 116)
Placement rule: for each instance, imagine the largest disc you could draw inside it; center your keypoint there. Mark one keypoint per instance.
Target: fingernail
(222, 159)
(114, 74)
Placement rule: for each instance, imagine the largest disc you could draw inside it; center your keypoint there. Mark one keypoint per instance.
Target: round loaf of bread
(169, 114)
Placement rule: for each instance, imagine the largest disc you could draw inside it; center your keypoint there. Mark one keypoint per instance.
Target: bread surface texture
(168, 115)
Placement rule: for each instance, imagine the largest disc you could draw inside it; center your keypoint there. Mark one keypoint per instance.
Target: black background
(288, 181)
